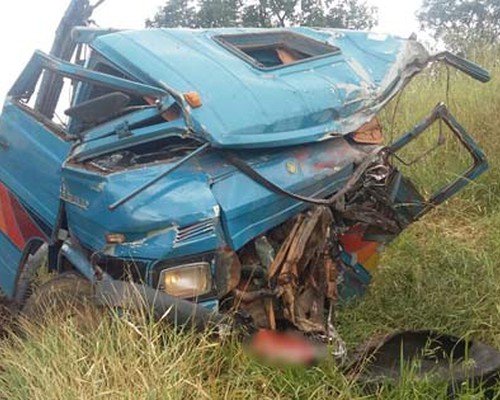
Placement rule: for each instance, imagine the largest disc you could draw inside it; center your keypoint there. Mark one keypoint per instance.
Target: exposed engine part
(301, 277)
(369, 200)
(265, 251)
(290, 275)
(339, 347)
(165, 152)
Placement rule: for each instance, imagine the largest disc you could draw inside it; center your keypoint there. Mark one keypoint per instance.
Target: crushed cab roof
(245, 105)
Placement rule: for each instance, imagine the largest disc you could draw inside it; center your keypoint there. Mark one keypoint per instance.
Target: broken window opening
(58, 123)
(99, 90)
(72, 94)
(276, 49)
(160, 151)
(90, 92)
(433, 160)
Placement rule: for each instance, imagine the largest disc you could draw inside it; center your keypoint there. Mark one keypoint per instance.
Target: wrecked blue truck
(211, 172)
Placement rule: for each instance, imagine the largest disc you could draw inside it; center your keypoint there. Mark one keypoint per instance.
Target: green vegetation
(461, 24)
(351, 14)
(442, 274)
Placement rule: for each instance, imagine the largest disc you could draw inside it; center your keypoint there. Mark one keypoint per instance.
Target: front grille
(192, 232)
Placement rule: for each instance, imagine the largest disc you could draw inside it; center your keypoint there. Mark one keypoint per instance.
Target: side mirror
(100, 108)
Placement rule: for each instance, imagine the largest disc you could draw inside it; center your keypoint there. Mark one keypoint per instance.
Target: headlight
(187, 281)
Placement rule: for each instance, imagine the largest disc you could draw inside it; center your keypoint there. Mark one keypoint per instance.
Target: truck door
(33, 148)
(427, 177)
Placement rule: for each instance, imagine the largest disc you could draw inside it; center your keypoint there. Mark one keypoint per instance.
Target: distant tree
(256, 15)
(282, 11)
(174, 14)
(268, 13)
(461, 23)
(313, 13)
(351, 14)
(219, 13)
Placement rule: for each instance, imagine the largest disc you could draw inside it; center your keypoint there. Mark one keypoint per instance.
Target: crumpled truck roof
(244, 106)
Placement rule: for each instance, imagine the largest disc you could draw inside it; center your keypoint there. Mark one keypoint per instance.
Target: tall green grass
(442, 273)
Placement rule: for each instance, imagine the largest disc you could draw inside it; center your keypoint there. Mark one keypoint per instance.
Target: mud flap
(411, 204)
(456, 361)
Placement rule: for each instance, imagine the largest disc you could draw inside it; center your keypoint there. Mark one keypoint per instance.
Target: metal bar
(77, 14)
(78, 260)
(467, 67)
(136, 192)
(85, 35)
(109, 128)
(76, 72)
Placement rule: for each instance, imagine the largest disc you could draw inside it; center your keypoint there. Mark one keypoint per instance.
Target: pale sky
(26, 25)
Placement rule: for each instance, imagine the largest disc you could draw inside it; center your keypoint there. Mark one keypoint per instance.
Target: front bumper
(137, 297)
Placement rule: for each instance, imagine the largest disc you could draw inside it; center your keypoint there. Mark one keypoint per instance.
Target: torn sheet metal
(246, 106)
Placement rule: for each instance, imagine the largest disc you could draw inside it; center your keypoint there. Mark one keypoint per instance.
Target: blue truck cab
(234, 170)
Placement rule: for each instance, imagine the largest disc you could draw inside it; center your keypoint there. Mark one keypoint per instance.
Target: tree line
(351, 14)
(460, 24)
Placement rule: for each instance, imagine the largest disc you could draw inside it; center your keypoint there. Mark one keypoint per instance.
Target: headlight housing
(187, 281)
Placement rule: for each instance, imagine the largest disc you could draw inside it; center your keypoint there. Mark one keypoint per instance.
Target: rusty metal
(302, 277)
(229, 275)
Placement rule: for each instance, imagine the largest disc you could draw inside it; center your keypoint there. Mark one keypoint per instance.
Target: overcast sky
(26, 25)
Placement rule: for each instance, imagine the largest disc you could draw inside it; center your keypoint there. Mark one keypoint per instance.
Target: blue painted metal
(41, 61)
(214, 190)
(158, 178)
(78, 260)
(31, 165)
(10, 256)
(288, 123)
(244, 106)
(466, 66)
(130, 120)
(354, 278)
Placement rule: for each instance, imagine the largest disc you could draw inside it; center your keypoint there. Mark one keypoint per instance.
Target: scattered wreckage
(220, 172)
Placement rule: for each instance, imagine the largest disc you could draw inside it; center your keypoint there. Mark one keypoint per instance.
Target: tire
(65, 297)
(32, 265)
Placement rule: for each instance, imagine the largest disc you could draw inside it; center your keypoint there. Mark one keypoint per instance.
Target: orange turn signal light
(193, 99)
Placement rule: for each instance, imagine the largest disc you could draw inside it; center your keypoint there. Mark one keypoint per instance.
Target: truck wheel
(25, 281)
(68, 296)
